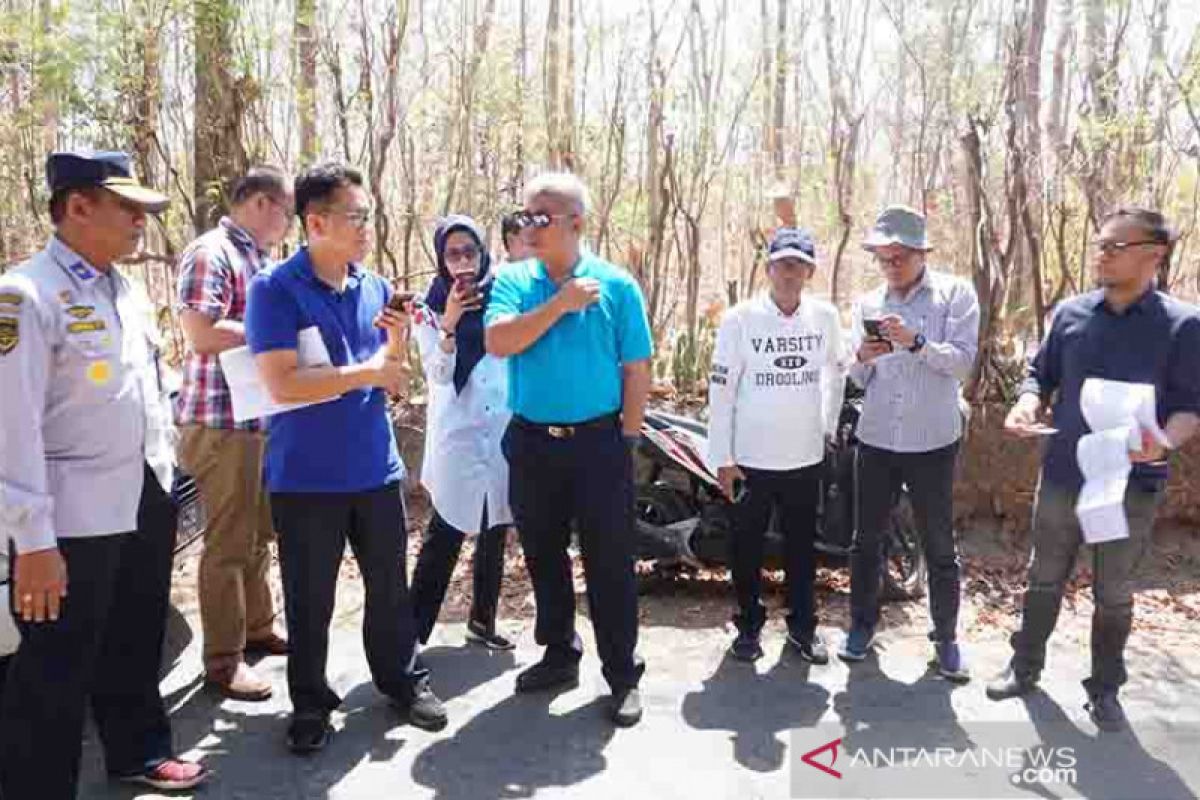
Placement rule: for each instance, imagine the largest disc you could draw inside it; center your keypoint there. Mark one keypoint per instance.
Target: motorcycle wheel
(661, 505)
(904, 566)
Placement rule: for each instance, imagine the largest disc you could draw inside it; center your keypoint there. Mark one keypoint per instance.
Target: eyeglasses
(358, 217)
(461, 253)
(1111, 248)
(539, 219)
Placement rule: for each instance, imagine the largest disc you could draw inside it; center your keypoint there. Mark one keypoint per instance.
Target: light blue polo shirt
(346, 445)
(573, 372)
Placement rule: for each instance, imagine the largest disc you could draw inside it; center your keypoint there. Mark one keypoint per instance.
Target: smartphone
(874, 329)
(401, 301)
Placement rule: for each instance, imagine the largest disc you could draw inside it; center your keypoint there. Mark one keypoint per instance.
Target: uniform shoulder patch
(10, 334)
(11, 299)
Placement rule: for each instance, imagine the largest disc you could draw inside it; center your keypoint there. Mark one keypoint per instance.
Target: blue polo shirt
(573, 372)
(1156, 340)
(346, 445)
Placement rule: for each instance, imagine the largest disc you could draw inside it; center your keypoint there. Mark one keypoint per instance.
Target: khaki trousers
(235, 597)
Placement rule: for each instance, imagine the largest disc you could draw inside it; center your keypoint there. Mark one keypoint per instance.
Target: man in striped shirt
(224, 456)
(915, 339)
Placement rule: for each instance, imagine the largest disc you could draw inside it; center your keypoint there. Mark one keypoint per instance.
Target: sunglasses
(530, 219)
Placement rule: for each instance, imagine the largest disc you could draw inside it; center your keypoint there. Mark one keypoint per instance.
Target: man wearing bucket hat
(85, 471)
(915, 339)
(774, 395)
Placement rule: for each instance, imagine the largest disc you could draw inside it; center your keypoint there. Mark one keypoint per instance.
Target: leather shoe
(271, 645)
(239, 682)
(627, 707)
(547, 675)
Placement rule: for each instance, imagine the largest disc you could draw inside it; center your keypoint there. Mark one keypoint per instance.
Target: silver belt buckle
(560, 431)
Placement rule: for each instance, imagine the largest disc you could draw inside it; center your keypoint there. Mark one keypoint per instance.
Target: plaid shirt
(214, 274)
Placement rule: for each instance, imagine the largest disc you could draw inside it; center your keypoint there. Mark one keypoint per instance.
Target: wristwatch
(918, 343)
(445, 335)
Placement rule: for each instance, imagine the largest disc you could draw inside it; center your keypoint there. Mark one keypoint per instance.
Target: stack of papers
(1117, 413)
(249, 394)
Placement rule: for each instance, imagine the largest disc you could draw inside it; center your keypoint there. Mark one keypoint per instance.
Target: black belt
(566, 431)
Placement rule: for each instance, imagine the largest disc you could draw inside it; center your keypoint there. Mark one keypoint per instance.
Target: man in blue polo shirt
(575, 332)
(332, 469)
(1125, 331)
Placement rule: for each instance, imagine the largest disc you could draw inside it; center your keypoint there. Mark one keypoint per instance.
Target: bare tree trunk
(49, 96)
(522, 55)
(217, 132)
(148, 99)
(1100, 92)
(1055, 120)
(306, 68)
(568, 91)
(553, 89)
(781, 70)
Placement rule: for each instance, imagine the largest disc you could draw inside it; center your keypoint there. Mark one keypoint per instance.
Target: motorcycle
(684, 522)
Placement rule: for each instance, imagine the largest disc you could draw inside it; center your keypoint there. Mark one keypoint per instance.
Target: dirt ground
(1168, 600)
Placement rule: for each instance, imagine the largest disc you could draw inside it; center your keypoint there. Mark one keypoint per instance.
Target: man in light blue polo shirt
(332, 469)
(575, 332)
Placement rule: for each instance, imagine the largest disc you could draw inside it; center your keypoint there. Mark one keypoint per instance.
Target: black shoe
(308, 732)
(810, 648)
(422, 707)
(548, 675)
(627, 707)
(746, 647)
(1105, 710)
(1010, 684)
(486, 635)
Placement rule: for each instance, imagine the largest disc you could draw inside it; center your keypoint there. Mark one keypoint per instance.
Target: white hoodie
(776, 386)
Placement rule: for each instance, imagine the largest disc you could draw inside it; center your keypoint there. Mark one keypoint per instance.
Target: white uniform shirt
(83, 407)
(463, 464)
(776, 386)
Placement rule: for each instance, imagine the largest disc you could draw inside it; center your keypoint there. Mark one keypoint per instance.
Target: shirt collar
(1139, 306)
(77, 268)
(769, 304)
(580, 269)
(924, 282)
(354, 274)
(240, 236)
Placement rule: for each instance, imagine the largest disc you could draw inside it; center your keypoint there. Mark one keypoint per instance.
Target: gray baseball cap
(898, 225)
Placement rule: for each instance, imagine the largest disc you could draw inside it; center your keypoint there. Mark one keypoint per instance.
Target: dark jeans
(106, 646)
(586, 478)
(930, 480)
(1056, 539)
(794, 494)
(313, 529)
(435, 565)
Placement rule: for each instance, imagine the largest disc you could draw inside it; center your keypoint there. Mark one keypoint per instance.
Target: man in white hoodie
(774, 396)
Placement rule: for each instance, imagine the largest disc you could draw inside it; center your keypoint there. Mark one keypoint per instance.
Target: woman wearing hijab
(464, 471)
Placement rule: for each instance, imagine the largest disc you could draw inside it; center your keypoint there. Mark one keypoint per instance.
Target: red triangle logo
(810, 758)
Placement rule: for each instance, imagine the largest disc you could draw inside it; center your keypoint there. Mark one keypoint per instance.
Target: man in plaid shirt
(225, 457)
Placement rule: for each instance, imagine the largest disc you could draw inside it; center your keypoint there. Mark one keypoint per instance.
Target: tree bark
(306, 68)
(217, 130)
(781, 74)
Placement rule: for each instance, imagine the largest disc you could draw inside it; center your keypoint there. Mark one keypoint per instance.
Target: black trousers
(793, 494)
(106, 646)
(313, 530)
(435, 565)
(930, 480)
(586, 478)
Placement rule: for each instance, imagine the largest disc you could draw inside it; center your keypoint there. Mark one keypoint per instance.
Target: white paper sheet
(249, 394)
(1117, 413)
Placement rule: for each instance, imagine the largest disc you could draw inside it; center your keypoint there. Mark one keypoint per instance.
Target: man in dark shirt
(1125, 331)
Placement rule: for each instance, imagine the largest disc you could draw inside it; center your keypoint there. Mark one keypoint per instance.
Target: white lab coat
(463, 464)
